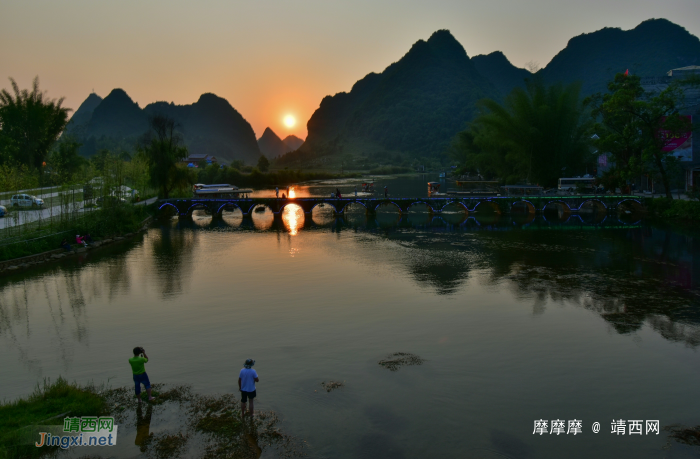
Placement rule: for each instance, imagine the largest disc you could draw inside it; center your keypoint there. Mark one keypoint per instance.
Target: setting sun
(289, 121)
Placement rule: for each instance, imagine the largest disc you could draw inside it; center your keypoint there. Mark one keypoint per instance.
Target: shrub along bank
(674, 209)
(99, 223)
(47, 405)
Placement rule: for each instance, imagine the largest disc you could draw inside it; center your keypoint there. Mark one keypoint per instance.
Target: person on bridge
(337, 193)
(355, 190)
(386, 192)
(277, 192)
(246, 385)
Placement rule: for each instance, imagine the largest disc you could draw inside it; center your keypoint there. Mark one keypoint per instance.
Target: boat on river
(219, 191)
(434, 189)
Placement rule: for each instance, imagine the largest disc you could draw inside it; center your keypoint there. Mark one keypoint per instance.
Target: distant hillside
(652, 48)
(496, 68)
(271, 145)
(292, 142)
(415, 106)
(209, 126)
(83, 114)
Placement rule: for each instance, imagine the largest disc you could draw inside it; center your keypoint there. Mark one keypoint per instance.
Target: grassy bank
(41, 236)
(47, 405)
(674, 209)
(209, 425)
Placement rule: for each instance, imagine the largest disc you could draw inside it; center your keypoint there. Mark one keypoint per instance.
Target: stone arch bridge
(564, 205)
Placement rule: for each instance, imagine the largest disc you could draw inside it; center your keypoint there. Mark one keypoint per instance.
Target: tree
(536, 133)
(30, 123)
(263, 163)
(64, 161)
(164, 151)
(635, 127)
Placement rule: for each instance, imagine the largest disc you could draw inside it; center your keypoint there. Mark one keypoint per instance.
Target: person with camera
(138, 367)
(246, 385)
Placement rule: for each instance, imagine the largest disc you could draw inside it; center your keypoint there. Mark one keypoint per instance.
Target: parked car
(3, 211)
(26, 200)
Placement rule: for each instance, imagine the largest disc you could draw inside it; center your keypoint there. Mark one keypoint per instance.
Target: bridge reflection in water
(564, 205)
(293, 219)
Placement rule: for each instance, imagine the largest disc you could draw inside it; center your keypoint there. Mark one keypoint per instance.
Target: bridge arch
(251, 209)
(523, 207)
(631, 204)
(558, 209)
(430, 208)
(388, 204)
(228, 204)
(351, 203)
(487, 205)
(196, 206)
(318, 204)
(595, 204)
(457, 204)
(177, 211)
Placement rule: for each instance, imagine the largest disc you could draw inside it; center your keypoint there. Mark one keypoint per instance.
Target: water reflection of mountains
(628, 272)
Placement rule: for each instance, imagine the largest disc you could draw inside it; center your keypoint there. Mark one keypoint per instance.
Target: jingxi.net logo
(83, 431)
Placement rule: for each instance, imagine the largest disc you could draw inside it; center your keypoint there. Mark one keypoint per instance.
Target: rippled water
(516, 321)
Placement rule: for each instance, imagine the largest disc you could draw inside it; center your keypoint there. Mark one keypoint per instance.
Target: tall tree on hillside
(263, 163)
(30, 123)
(536, 133)
(164, 149)
(636, 127)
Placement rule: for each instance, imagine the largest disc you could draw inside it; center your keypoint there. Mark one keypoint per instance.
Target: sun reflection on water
(292, 194)
(293, 217)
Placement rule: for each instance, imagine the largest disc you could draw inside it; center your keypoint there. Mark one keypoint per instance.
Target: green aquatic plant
(399, 359)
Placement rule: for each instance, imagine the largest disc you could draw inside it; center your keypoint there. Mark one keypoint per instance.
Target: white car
(26, 200)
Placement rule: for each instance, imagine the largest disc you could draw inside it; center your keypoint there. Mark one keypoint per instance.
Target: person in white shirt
(246, 385)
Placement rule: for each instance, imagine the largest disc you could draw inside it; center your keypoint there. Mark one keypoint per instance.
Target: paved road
(6, 202)
(27, 216)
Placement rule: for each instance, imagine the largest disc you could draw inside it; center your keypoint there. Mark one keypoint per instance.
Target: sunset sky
(273, 58)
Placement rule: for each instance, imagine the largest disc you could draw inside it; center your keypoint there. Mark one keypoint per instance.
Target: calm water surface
(516, 321)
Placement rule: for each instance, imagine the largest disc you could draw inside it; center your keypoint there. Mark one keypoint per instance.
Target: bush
(45, 402)
(674, 209)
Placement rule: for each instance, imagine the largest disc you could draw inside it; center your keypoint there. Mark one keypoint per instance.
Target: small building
(689, 155)
(195, 160)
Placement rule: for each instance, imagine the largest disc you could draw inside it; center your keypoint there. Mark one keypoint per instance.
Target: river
(516, 322)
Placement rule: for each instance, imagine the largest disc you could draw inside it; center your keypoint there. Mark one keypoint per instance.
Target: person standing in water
(246, 385)
(138, 367)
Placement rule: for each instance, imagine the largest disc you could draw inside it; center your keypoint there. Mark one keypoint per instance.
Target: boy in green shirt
(139, 369)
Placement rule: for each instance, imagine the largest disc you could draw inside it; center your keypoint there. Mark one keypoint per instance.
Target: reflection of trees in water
(631, 278)
(52, 300)
(172, 254)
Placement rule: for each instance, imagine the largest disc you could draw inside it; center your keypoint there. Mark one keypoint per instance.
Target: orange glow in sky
(277, 58)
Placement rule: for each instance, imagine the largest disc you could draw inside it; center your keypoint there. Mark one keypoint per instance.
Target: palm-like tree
(536, 132)
(30, 123)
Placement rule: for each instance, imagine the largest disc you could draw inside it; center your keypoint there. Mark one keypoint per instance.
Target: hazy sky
(270, 58)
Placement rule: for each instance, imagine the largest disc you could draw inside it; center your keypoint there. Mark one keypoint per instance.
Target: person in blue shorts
(246, 385)
(138, 367)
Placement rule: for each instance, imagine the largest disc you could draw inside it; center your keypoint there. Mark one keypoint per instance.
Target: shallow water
(516, 320)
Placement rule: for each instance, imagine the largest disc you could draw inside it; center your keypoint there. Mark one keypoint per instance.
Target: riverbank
(673, 209)
(209, 424)
(41, 244)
